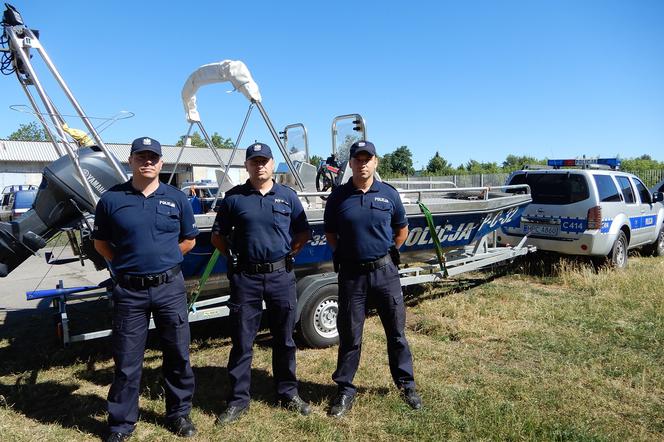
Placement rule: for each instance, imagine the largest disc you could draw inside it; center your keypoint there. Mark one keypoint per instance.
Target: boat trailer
(313, 312)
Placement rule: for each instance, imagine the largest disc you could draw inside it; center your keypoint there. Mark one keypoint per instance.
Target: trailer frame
(314, 304)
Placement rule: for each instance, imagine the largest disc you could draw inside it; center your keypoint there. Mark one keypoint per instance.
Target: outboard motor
(61, 202)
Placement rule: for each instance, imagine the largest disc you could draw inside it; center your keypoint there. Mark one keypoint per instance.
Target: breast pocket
(381, 211)
(168, 218)
(282, 216)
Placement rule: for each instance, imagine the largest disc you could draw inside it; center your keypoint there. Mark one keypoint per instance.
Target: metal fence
(476, 180)
(649, 177)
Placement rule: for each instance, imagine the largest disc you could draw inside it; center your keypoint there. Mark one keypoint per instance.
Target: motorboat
(445, 222)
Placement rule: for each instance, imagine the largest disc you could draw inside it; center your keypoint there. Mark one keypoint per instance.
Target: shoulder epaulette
(172, 186)
(289, 188)
(235, 189)
(388, 184)
(119, 186)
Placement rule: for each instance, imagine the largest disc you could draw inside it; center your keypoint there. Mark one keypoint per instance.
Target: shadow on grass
(212, 386)
(415, 294)
(31, 342)
(551, 265)
(57, 403)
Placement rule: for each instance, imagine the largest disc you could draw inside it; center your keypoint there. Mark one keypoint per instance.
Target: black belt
(266, 267)
(141, 282)
(363, 267)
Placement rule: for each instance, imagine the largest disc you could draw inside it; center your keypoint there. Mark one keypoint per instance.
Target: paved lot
(35, 274)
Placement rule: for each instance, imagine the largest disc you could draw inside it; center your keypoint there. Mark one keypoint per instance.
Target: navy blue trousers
(248, 291)
(131, 317)
(382, 287)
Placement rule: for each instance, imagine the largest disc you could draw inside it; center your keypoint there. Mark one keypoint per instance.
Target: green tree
(516, 162)
(644, 162)
(474, 166)
(29, 132)
(385, 165)
(439, 166)
(196, 140)
(316, 160)
(220, 142)
(402, 161)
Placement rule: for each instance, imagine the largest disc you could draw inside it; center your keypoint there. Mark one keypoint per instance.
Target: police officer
(364, 218)
(143, 228)
(260, 226)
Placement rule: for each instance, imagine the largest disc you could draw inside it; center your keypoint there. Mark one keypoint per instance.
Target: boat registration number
(541, 229)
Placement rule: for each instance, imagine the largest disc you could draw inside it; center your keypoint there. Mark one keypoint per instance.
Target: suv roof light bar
(585, 163)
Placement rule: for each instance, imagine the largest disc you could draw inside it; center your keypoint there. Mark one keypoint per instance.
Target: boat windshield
(296, 147)
(346, 136)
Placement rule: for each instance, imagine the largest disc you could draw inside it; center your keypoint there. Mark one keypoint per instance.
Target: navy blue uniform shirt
(262, 226)
(364, 222)
(145, 231)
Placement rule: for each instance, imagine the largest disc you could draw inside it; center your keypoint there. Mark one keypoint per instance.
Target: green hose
(198, 288)
(434, 236)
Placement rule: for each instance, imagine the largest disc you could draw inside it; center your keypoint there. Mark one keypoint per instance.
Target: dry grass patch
(575, 354)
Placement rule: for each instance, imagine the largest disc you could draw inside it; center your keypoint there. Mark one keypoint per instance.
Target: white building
(21, 162)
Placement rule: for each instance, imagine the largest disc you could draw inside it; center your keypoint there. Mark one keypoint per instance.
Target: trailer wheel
(618, 255)
(318, 321)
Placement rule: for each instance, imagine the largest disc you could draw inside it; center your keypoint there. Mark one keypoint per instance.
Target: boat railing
(481, 192)
(430, 184)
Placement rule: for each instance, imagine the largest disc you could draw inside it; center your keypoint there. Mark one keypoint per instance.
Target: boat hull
(457, 225)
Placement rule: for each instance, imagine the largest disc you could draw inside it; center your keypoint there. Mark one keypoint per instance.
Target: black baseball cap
(258, 150)
(146, 143)
(363, 146)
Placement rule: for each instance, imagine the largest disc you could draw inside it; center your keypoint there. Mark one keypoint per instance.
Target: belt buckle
(136, 282)
(151, 280)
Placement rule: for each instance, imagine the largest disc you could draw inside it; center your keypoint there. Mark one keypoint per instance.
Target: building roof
(44, 152)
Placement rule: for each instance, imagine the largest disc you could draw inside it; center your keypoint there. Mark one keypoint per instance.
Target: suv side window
(607, 189)
(626, 189)
(644, 193)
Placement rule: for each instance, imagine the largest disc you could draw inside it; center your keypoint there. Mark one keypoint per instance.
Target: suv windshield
(554, 188)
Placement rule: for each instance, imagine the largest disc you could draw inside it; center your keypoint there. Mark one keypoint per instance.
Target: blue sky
(473, 80)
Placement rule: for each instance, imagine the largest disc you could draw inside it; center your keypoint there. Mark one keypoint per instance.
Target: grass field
(541, 352)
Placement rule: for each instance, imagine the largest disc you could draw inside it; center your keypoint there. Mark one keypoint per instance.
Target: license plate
(541, 229)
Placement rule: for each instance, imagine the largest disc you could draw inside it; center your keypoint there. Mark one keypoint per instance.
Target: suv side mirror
(657, 197)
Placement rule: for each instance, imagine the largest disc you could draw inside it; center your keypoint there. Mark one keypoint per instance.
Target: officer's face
(363, 165)
(146, 164)
(260, 168)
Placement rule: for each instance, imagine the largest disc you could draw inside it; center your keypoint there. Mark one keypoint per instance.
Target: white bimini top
(234, 71)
